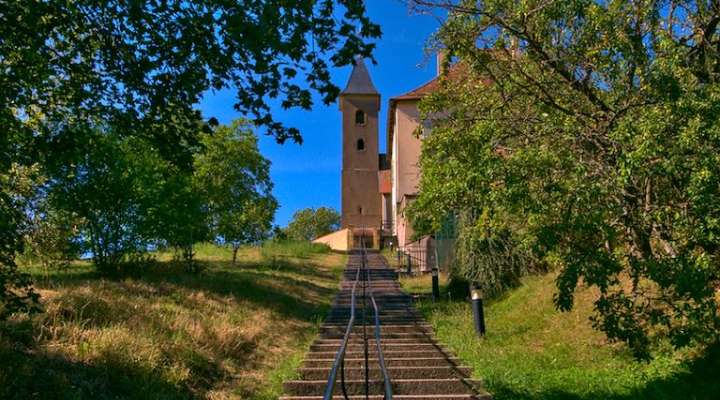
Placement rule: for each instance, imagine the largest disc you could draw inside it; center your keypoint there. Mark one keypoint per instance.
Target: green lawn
(532, 352)
(225, 333)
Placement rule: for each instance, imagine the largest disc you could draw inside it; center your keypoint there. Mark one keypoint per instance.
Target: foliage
(532, 352)
(52, 238)
(69, 68)
(490, 259)
(16, 291)
(110, 190)
(234, 179)
(589, 131)
(180, 217)
(310, 223)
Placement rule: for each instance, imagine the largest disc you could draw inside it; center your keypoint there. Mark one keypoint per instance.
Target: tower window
(361, 144)
(360, 210)
(359, 117)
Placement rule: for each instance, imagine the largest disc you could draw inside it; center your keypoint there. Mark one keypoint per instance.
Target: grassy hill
(225, 333)
(532, 352)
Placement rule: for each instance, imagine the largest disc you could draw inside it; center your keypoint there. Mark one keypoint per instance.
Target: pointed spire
(360, 82)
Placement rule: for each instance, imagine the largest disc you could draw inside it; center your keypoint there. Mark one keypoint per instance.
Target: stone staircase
(419, 368)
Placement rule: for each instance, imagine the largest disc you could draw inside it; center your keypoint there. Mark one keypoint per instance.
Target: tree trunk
(235, 252)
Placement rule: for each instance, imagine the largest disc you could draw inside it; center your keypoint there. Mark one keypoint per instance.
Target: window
(360, 210)
(360, 144)
(359, 117)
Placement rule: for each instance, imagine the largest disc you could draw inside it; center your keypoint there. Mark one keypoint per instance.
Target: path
(418, 366)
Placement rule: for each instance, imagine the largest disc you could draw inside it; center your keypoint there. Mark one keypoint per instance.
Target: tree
(180, 217)
(16, 292)
(310, 223)
(588, 131)
(140, 67)
(52, 237)
(110, 190)
(235, 181)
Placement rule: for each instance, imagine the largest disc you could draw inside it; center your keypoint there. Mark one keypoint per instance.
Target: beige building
(377, 188)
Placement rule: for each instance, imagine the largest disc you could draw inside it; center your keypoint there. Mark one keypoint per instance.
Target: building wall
(361, 200)
(405, 169)
(338, 240)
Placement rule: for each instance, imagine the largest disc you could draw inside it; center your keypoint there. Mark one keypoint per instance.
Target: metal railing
(340, 356)
(339, 362)
(387, 384)
(411, 258)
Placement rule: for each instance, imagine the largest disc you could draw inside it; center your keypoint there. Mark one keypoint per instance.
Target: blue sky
(308, 175)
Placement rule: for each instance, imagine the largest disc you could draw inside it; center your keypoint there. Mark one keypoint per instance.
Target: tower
(361, 201)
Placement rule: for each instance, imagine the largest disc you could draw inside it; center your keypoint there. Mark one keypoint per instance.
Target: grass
(532, 352)
(229, 332)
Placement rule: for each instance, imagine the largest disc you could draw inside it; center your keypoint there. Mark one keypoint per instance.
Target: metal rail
(381, 358)
(340, 357)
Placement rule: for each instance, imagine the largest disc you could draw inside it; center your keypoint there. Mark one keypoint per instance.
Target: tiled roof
(419, 92)
(360, 82)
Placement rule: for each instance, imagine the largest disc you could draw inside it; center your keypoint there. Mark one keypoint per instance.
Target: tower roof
(360, 82)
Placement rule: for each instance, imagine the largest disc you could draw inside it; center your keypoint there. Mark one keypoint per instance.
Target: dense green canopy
(69, 69)
(585, 136)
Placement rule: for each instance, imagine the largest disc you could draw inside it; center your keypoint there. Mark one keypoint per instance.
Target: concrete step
(354, 339)
(397, 397)
(399, 386)
(384, 329)
(385, 346)
(434, 372)
(339, 334)
(372, 351)
(389, 362)
(419, 368)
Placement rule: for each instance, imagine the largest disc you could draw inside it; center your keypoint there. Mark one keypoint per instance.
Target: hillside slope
(225, 333)
(532, 352)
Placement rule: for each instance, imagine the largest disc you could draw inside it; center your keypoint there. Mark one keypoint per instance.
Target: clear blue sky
(308, 175)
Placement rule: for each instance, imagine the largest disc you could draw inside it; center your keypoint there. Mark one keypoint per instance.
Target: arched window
(360, 210)
(360, 144)
(359, 117)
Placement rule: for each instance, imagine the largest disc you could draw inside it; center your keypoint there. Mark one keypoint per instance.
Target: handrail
(340, 357)
(339, 361)
(381, 358)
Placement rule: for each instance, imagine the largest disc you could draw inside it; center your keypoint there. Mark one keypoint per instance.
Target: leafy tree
(110, 189)
(68, 67)
(180, 217)
(235, 181)
(16, 292)
(310, 223)
(52, 237)
(588, 131)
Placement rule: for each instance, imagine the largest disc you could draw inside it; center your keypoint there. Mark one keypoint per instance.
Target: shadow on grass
(85, 299)
(294, 298)
(28, 375)
(269, 284)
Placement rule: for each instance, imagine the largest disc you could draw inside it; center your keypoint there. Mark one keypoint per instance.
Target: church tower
(360, 104)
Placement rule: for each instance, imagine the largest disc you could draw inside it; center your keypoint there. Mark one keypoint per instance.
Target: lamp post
(435, 277)
(478, 312)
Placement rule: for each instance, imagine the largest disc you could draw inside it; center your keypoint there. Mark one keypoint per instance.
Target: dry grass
(226, 333)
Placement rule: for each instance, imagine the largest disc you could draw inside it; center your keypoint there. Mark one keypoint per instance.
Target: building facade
(378, 188)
